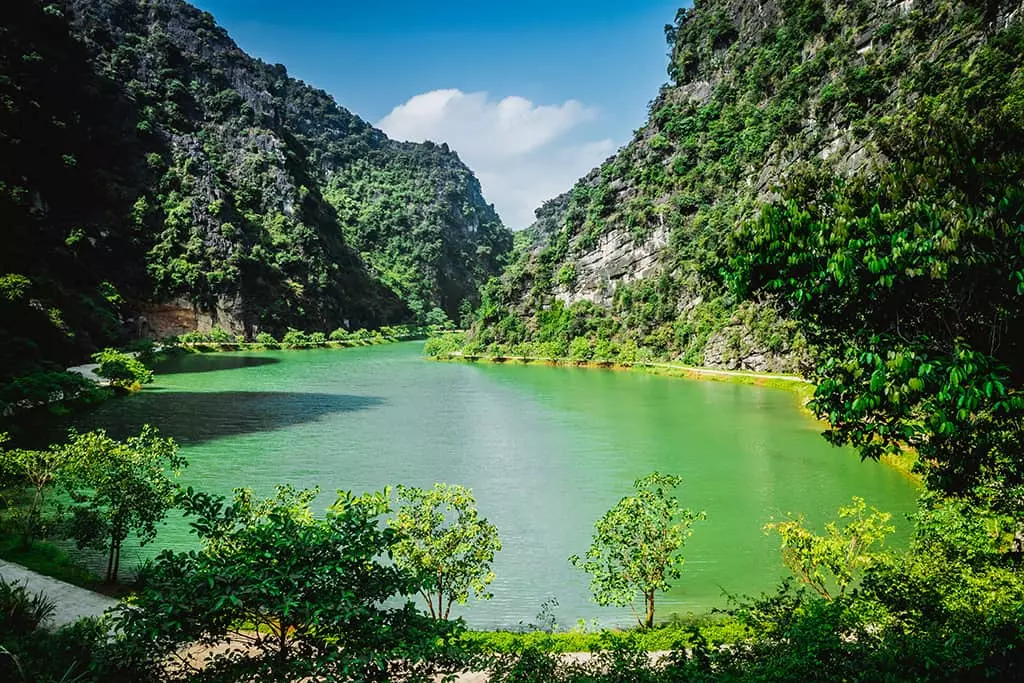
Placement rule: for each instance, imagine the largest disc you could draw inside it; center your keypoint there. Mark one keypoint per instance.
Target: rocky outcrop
(618, 258)
(173, 318)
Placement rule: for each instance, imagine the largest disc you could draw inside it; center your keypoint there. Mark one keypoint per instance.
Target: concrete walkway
(88, 371)
(71, 602)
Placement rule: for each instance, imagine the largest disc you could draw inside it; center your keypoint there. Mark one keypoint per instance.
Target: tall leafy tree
(38, 472)
(910, 280)
(637, 546)
(443, 540)
(277, 593)
(118, 488)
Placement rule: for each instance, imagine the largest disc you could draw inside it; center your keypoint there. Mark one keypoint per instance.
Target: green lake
(546, 451)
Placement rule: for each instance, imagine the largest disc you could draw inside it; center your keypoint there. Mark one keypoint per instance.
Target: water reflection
(198, 417)
(213, 362)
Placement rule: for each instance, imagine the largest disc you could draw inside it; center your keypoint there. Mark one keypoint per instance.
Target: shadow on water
(193, 418)
(211, 363)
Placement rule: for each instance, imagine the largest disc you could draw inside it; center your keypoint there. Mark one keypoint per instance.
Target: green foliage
(36, 471)
(415, 214)
(124, 370)
(328, 607)
(22, 610)
(118, 488)
(832, 562)
(267, 340)
(29, 651)
(637, 545)
(442, 540)
(438, 319)
(439, 346)
(295, 339)
(907, 278)
(55, 391)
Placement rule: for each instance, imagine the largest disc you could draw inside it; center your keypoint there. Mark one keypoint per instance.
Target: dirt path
(72, 603)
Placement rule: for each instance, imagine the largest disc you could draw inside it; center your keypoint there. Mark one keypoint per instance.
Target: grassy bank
(678, 633)
(47, 559)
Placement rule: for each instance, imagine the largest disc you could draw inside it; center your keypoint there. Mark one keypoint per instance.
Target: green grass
(47, 559)
(679, 633)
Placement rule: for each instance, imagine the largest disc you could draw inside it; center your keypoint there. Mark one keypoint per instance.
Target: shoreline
(801, 387)
(228, 347)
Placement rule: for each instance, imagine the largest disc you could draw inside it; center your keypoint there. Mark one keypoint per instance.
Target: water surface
(546, 451)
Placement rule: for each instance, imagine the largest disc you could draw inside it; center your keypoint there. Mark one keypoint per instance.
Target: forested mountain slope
(154, 177)
(768, 101)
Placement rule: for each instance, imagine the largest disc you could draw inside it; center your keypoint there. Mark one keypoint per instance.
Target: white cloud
(517, 149)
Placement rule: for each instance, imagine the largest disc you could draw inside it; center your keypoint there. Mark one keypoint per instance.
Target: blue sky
(531, 94)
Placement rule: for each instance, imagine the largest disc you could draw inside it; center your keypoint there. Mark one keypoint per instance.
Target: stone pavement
(71, 602)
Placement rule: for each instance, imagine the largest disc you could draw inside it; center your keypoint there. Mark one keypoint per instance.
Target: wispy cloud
(518, 149)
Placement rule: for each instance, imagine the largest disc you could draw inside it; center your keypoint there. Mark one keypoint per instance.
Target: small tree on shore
(118, 488)
(37, 471)
(637, 546)
(443, 540)
(832, 561)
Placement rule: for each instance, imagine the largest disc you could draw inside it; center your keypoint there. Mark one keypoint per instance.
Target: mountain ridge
(201, 187)
(763, 97)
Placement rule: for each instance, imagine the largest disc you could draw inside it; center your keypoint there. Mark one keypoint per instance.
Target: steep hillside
(155, 178)
(766, 100)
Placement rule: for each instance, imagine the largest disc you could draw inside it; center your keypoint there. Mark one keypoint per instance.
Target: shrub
(444, 344)
(220, 336)
(194, 337)
(294, 339)
(22, 611)
(122, 369)
(580, 349)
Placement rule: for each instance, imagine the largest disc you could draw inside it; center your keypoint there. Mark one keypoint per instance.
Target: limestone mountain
(766, 101)
(155, 178)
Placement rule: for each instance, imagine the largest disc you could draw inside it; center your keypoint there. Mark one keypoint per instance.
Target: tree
(118, 488)
(122, 369)
(443, 540)
(276, 593)
(836, 558)
(637, 546)
(909, 280)
(39, 470)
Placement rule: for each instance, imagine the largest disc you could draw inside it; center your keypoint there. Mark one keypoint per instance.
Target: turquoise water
(546, 451)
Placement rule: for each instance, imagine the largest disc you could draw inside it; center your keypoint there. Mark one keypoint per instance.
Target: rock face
(147, 160)
(763, 96)
(617, 258)
(159, 321)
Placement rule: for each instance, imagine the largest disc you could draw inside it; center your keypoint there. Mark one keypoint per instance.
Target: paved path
(88, 371)
(72, 602)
